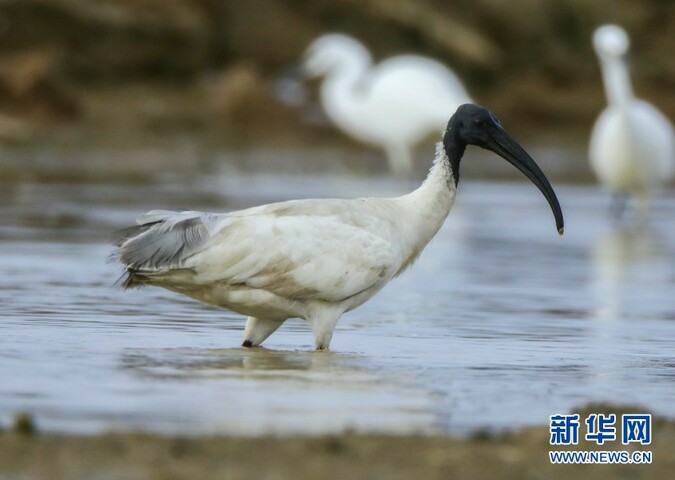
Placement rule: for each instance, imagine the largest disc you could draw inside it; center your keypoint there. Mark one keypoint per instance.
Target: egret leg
(258, 329)
(323, 326)
(618, 206)
(643, 204)
(400, 160)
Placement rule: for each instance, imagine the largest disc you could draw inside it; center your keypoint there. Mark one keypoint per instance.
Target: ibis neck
(428, 206)
(443, 174)
(618, 87)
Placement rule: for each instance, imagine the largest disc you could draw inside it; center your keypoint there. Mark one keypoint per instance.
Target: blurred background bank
(154, 85)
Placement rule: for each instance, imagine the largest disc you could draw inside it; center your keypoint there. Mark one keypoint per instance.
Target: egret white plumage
(632, 145)
(312, 259)
(393, 105)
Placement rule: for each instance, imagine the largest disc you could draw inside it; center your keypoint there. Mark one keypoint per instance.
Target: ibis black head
(474, 125)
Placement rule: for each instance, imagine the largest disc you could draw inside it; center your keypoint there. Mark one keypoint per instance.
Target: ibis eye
(479, 122)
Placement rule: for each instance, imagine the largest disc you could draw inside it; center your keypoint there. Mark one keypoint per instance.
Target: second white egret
(393, 105)
(632, 145)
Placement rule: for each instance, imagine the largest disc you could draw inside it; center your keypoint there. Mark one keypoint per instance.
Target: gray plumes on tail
(162, 241)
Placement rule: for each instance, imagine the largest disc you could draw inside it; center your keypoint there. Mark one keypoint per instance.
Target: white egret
(632, 146)
(311, 259)
(393, 105)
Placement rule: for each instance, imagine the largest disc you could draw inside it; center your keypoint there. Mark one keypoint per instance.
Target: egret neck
(617, 82)
(340, 90)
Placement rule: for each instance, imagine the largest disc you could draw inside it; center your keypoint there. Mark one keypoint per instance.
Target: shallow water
(500, 324)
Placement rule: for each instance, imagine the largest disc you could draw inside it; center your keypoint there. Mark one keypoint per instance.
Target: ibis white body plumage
(393, 105)
(632, 145)
(312, 259)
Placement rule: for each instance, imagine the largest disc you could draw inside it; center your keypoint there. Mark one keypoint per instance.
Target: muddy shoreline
(130, 456)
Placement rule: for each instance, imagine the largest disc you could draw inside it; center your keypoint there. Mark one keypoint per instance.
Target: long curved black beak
(506, 147)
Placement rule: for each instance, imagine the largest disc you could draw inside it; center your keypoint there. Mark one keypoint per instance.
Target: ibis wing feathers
(318, 252)
(299, 250)
(164, 239)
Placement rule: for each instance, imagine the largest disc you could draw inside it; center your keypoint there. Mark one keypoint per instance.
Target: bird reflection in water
(626, 260)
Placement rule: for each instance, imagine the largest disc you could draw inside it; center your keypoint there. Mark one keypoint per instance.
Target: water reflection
(263, 390)
(236, 361)
(627, 260)
(495, 326)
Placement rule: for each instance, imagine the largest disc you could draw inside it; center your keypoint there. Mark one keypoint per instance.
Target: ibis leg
(258, 329)
(323, 327)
